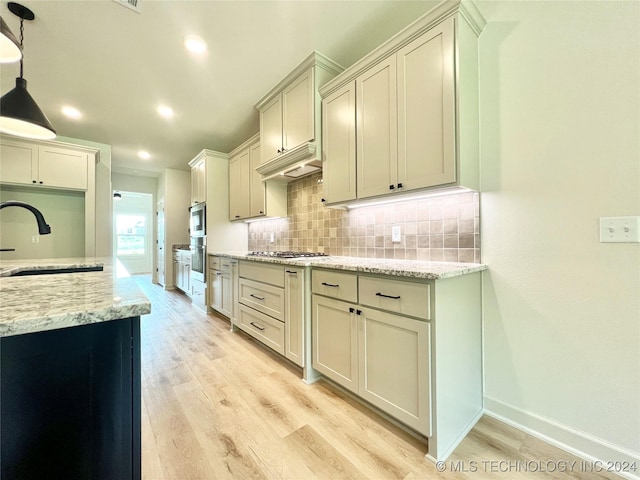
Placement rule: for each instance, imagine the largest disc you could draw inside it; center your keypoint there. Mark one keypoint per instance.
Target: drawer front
(264, 298)
(343, 286)
(214, 262)
(263, 272)
(226, 265)
(399, 296)
(262, 327)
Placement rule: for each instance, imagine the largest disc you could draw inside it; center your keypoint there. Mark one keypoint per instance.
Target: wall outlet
(272, 237)
(620, 229)
(396, 234)
(35, 239)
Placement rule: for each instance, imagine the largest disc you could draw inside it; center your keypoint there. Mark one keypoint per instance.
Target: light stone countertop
(47, 302)
(381, 266)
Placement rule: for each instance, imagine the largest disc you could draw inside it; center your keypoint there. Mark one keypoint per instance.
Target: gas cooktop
(285, 254)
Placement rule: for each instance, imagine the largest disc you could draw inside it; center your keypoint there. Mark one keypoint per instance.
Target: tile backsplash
(445, 228)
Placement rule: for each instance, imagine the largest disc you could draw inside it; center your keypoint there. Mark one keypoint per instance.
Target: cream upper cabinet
(287, 121)
(416, 110)
(271, 129)
(290, 120)
(426, 110)
(198, 179)
(376, 130)
(257, 190)
(339, 145)
(249, 196)
(44, 165)
(239, 185)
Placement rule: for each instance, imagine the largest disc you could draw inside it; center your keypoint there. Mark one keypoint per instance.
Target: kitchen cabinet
(221, 273)
(198, 179)
(198, 292)
(294, 311)
(271, 307)
(381, 355)
(39, 164)
(415, 110)
(43, 165)
(339, 145)
(182, 270)
(249, 196)
(290, 118)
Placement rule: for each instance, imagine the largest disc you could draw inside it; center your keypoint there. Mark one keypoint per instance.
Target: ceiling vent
(131, 4)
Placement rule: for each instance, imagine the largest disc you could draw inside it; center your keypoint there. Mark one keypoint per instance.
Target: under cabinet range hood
(296, 163)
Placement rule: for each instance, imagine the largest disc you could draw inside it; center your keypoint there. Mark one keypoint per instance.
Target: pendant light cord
(21, 40)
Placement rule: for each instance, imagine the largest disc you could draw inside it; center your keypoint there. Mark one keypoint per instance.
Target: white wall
(560, 135)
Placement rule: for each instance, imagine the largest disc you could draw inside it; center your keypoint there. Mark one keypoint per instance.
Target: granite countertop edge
(30, 304)
(402, 268)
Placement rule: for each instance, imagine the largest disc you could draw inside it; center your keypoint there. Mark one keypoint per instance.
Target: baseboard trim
(576, 442)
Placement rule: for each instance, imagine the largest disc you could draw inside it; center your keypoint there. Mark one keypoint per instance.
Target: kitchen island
(69, 370)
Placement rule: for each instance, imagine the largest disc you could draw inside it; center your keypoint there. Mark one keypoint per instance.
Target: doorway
(133, 231)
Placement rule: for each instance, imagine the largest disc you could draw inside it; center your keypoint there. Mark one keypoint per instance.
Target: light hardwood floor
(216, 405)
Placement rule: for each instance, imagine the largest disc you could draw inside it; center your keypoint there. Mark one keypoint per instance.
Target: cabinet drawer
(400, 296)
(264, 298)
(263, 272)
(226, 265)
(262, 327)
(214, 262)
(343, 286)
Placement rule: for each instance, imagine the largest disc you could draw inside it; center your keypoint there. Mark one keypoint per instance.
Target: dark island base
(70, 403)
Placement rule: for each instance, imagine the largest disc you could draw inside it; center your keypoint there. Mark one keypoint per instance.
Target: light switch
(620, 229)
(396, 235)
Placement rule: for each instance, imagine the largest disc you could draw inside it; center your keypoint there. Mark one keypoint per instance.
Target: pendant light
(9, 47)
(19, 113)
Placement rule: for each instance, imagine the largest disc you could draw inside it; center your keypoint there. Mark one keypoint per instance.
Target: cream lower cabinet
(382, 357)
(221, 281)
(271, 306)
(182, 271)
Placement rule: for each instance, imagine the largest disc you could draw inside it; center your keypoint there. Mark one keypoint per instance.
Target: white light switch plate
(396, 235)
(620, 229)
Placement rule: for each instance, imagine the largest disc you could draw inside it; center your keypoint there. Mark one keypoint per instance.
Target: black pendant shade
(21, 116)
(10, 50)
(19, 113)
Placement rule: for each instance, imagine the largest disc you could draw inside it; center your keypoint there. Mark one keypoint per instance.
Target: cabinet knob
(40, 182)
(237, 216)
(399, 185)
(34, 181)
(261, 212)
(279, 151)
(323, 200)
(352, 310)
(392, 187)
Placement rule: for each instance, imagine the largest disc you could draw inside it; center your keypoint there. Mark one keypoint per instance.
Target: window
(130, 234)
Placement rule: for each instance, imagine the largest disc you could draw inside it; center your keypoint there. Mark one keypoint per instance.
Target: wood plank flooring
(217, 405)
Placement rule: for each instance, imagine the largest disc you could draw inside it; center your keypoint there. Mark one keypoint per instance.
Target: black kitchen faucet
(43, 228)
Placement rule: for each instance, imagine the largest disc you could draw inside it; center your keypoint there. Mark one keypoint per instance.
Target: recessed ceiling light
(164, 111)
(195, 44)
(71, 112)
(144, 154)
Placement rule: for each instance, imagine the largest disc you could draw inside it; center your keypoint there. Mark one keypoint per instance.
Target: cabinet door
(339, 145)
(395, 366)
(426, 110)
(176, 274)
(298, 111)
(226, 300)
(377, 130)
(257, 189)
(271, 129)
(293, 315)
(194, 185)
(201, 184)
(18, 163)
(335, 341)
(239, 179)
(60, 167)
(215, 291)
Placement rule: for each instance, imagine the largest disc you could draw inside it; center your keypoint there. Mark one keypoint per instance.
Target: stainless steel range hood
(292, 165)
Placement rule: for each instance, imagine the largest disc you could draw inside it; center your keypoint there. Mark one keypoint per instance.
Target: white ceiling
(117, 66)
